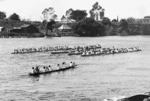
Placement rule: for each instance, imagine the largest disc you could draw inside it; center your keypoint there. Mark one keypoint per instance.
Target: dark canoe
(139, 97)
(110, 53)
(72, 53)
(22, 52)
(135, 50)
(59, 52)
(28, 52)
(91, 55)
(18, 53)
(57, 70)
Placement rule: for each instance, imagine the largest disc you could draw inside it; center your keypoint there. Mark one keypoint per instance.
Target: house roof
(25, 25)
(64, 27)
(16, 27)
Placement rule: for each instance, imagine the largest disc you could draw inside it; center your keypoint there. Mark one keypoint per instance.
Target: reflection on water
(95, 78)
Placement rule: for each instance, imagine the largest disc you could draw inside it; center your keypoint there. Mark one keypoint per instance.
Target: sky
(32, 9)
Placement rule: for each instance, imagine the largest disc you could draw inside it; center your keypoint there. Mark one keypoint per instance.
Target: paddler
(63, 64)
(50, 68)
(37, 69)
(58, 66)
(71, 64)
(46, 68)
(34, 71)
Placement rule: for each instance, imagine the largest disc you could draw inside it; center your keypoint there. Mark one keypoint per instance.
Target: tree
(50, 25)
(44, 24)
(2, 15)
(68, 12)
(54, 17)
(123, 27)
(131, 20)
(14, 16)
(97, 12)
(78, 15)
(89, 27)
(114, 20)
(106, 21)
(49, 13)
(123, 23)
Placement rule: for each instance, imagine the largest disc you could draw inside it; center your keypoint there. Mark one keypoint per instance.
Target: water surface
(95, 78)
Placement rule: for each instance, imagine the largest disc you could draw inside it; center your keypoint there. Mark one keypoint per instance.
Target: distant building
(65, 20)
(133, 21)
(97, 12)
(25, 30)
(146, 17)
(64, 27)
(28, 28)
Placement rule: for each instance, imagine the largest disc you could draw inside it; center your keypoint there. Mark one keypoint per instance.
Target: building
(97, 12)
(64, 27)
(25, 30)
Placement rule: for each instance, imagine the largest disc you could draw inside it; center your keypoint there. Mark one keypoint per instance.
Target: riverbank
(19, 29)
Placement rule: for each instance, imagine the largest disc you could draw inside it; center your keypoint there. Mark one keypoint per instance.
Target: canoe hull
(57, 70)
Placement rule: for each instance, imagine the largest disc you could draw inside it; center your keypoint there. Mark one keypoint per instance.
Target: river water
(95, 79)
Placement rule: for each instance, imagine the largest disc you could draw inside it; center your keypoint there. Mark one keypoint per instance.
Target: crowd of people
(40, 49)
(56, 49)
(102, 51)
(76, 49)
(112, 50)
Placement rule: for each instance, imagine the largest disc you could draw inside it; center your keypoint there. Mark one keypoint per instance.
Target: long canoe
(59, 52)
(52, 71)
(73, 53)
(111, 53)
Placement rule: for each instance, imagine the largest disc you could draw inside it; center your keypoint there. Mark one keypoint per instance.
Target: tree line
(83, 26)
(86, 26)
(13, 16)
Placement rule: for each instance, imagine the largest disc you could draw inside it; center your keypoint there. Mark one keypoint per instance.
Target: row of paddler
(106, 51)
(40, 49)
(54, 50)
(77, 48)
(99, 51)
(42, 69)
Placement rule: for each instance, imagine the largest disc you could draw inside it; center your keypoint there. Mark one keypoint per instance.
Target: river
(95, 79)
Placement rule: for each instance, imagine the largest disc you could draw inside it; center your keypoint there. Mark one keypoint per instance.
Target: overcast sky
(32, 9)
